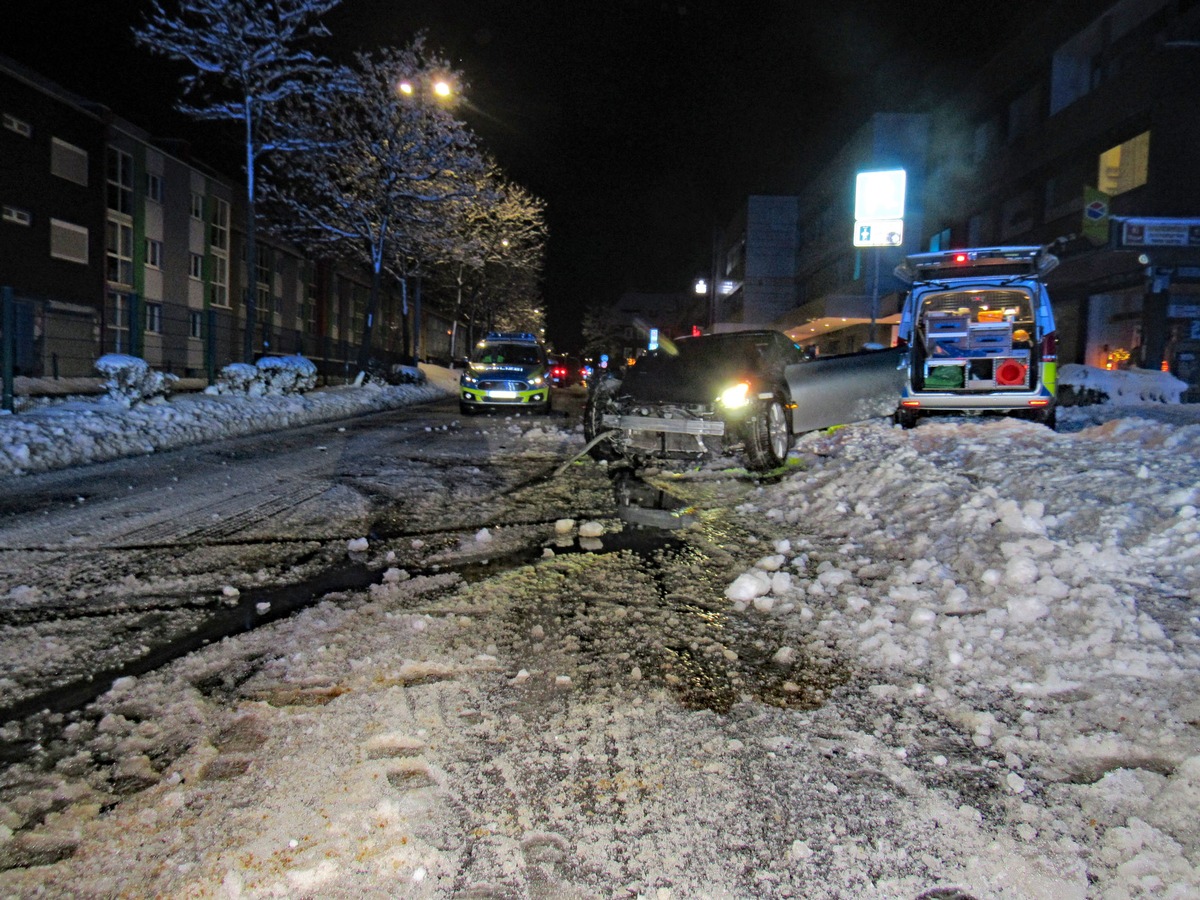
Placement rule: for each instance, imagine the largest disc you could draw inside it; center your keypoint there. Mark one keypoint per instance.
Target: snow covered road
(963, 657)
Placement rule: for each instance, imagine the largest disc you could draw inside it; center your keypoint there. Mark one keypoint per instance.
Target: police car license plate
(503, 395)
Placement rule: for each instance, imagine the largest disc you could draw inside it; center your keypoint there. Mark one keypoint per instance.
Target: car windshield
(753, 348)
(511, 354)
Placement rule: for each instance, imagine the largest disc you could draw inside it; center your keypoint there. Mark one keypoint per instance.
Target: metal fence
(46, 338)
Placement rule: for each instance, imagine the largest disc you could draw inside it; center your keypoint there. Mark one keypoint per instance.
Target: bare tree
(389, 165)
(494, 262)
(248, 58)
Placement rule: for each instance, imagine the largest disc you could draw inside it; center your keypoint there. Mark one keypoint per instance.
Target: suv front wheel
(768, 437)
(601, 399)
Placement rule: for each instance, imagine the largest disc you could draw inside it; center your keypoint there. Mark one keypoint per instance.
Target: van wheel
(1047, 417)
(906, 418)
(768, 438)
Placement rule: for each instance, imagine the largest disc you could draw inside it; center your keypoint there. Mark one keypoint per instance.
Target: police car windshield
(510, 354)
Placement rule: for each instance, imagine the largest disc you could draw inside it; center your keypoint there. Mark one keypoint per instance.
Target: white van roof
(976, 261)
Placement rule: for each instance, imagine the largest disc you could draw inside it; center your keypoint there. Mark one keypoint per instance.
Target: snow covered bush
(271, 375)
(402, 374)
(287, 374)
(1087, 385)
(380, 372)
(234, 378)
(129, 380)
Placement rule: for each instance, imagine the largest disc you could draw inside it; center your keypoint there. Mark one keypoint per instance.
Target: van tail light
(910, 404)
(1039, 401)
(1050, 347)
(902, 343)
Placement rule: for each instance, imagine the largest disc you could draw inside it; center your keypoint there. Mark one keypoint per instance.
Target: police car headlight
(736, 396)
(537, 381)
(467, 378)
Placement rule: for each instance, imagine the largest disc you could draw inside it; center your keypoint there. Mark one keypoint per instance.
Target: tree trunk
(404, 343)
(364, 349)
(416, 357)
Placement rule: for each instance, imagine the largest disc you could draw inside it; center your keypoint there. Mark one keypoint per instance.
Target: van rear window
(981, 305)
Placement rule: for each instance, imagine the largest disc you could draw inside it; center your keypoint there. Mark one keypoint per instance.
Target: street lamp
(440, 88)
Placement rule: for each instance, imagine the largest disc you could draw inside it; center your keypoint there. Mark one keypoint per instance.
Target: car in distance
(506, 370)
(695, 397)
(566, 371)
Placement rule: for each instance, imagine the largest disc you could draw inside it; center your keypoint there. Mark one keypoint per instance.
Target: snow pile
(93, 430)
(130, 380)
(1120, 387)
(271, 375)
(1024, 604)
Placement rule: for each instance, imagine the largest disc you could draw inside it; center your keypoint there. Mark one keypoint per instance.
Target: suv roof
(974, 262)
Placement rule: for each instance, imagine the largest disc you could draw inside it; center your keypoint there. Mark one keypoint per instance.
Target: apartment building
(114, 241)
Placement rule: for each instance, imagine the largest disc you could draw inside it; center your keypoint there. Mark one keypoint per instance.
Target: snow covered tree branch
(247, 58)
(387, 168)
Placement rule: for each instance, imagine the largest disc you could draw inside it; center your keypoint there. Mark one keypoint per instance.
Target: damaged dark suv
(695, 397)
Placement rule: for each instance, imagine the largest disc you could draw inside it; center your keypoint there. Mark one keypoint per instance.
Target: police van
(507, 370)
(980, 334)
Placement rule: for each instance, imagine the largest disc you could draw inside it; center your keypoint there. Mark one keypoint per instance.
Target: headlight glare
(736, 396)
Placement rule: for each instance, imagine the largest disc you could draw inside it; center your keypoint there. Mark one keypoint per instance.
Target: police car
(506, 370)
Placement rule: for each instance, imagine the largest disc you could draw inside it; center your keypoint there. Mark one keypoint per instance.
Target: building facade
(112, 241)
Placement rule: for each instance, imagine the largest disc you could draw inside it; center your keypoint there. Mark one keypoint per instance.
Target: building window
(1024, 113)
(219, 230)
(154, 187)
(20, 126)
(154, 318)
(940, 241)
(262, 282)
(197, 206)
(195, 324)
(154, 251)
(69, 242)
(17, 216)
(118, 321)
(220, 281)
(120, 181)
(987, 135)
(196, 266)
(119, 253)
(68, 161)
(1125, 166)
(1017, 214)
(308, 310)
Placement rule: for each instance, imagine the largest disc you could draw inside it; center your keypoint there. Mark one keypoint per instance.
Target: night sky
(642, 123)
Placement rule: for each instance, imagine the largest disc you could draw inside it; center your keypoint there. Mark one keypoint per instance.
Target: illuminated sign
(879, 208)
(1160, 232)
